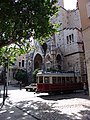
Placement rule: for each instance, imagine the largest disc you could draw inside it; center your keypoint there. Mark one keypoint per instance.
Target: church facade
(64, 50)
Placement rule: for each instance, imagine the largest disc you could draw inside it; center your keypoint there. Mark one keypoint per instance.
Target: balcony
(88, 9)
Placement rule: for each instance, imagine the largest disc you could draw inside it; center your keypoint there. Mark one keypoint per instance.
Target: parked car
(32, 87)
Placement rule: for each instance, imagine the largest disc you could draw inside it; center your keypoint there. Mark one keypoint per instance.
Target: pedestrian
(85, 88)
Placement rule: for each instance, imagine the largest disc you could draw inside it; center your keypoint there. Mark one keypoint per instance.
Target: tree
(21, 76)
(21, 19)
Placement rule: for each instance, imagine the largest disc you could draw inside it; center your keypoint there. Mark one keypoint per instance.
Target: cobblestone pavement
(29, 106)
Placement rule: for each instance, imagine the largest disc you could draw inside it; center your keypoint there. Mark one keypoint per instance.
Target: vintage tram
(58, 82)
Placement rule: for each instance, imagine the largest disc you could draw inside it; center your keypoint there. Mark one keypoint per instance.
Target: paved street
(22, 105)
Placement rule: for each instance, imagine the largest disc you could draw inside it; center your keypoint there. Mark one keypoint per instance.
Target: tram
(58, 82)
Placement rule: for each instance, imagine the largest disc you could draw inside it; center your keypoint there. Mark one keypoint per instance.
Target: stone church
(64, 50)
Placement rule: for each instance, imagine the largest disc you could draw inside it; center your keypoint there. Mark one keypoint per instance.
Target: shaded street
(29, 106)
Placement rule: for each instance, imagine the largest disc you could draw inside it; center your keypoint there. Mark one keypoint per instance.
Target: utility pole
(5, 80)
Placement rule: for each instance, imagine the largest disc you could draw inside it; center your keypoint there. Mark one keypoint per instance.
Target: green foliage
(11, 52)
(21, 75)
(34, 74)
(21, 19)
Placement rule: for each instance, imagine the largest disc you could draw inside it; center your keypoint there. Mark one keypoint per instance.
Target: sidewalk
(22, 105)
(10, 112)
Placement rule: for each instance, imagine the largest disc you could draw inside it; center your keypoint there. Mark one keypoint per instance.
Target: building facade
(64, 50)
(84, 8)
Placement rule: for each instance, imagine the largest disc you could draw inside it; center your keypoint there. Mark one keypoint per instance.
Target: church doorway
(38, 62)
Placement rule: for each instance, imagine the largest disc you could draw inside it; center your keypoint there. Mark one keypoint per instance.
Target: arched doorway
(38, 62)
(58, 59)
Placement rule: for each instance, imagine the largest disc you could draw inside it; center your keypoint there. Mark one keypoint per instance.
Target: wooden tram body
(58, 82)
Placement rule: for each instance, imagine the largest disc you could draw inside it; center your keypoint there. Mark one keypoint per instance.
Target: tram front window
(46, 80)
(54, 80)
(59, 80)
(40, 79)
(63, 80)
(67, 80)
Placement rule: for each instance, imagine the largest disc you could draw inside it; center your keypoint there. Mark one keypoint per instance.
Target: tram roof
(67, 74)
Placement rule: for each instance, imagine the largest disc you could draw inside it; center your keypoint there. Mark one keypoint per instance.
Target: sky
(70, 4)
